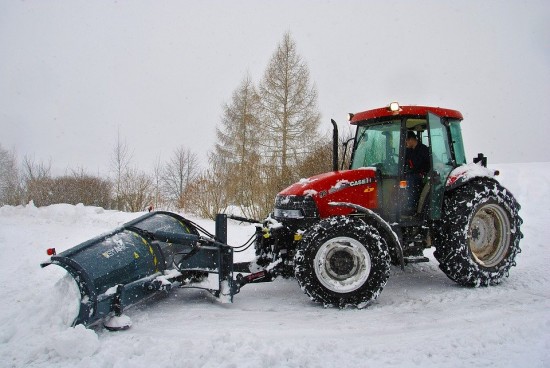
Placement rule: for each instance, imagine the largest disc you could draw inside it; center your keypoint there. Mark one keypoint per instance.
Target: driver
(417, 165)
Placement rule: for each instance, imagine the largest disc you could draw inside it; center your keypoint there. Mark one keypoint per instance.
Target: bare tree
(133, 189)
(78, 187)
(289, 109)
(319, 160)
(10, 190)
(120, 165)
(36, 181)
(206, 196)
(136, 191)
(89, 190)
(158, 200)
(345, 147)
(179, 173)
(33, 170)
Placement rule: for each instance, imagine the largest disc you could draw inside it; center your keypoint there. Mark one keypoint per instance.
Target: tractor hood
(354, 186)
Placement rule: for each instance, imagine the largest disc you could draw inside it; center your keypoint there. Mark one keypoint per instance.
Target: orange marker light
(403, 184)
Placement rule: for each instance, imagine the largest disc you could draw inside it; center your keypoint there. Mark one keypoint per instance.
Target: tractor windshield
(378, 146)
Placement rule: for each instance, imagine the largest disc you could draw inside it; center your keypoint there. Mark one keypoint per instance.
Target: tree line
(268, 138)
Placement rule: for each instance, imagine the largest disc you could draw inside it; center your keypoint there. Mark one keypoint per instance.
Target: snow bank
(421, 318)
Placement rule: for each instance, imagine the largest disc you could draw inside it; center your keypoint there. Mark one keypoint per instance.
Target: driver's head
(411, 140)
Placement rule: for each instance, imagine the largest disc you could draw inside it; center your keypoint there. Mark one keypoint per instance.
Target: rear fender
(465, 173)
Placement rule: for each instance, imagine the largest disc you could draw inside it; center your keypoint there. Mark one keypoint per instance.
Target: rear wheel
(342, 261)
(480, 234)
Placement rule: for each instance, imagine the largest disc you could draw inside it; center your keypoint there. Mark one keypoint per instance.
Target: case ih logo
(341, 185)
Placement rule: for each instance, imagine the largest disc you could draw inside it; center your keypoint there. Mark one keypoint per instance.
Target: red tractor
(408, 188)
(338, 232)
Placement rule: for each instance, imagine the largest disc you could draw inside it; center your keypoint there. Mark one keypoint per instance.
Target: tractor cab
(380, 143)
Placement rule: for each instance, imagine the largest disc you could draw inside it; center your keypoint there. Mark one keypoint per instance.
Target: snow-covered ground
(421, 318)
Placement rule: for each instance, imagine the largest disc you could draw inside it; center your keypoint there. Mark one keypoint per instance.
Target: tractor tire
(341, 261)
(479, 234)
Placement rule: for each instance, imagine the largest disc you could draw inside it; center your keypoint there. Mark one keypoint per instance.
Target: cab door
(442, 163)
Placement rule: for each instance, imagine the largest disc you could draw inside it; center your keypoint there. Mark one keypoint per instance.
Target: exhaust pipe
(334, 145)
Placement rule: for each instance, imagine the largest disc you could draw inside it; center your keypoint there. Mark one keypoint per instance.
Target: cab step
(416, 259)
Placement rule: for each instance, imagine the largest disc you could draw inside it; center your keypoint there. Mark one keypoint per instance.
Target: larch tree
(237, 147)
(289, 112)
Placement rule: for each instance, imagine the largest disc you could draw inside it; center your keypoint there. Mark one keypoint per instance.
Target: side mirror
(481, 159)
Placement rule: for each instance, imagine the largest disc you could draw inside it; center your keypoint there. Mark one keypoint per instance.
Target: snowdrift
(421, 319)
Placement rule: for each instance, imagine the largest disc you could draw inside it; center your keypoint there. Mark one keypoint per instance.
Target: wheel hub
(489, 235)
(342, 264)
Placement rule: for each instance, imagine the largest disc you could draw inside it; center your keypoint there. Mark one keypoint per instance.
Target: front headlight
(286, 213)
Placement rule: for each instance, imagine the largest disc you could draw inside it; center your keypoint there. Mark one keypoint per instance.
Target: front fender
(382, 226)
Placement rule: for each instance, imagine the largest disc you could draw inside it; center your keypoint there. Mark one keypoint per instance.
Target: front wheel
(480, 234)
(342, 261)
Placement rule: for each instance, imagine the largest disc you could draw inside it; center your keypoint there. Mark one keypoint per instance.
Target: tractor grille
(295, 210)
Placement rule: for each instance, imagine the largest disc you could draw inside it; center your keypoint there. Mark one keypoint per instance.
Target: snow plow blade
(152, 253)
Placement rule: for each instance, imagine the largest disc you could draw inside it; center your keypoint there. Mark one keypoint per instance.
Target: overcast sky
(73, 73)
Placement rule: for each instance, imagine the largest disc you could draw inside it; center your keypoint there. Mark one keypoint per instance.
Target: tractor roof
(395, 110)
